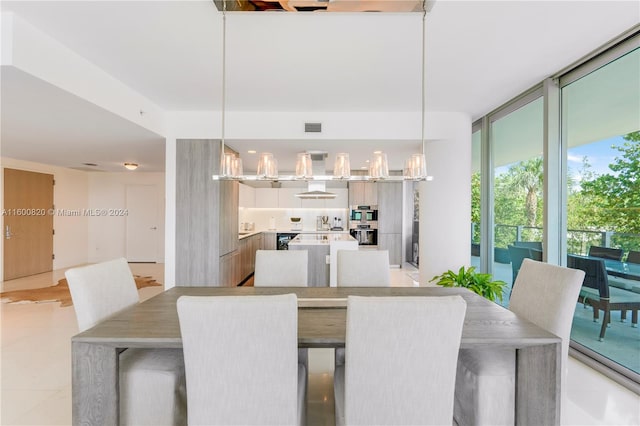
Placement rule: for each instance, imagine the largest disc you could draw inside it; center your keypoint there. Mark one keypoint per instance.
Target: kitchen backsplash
(261, 217)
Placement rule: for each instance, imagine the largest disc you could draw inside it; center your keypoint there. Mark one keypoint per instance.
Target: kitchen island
(323, 255)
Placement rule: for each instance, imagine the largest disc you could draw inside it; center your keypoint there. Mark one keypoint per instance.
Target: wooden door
(28, 223)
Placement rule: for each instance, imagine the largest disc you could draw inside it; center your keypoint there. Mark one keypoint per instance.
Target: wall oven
(364, 214)
(365, 235)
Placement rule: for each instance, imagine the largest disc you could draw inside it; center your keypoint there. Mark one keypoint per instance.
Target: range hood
(317, 190)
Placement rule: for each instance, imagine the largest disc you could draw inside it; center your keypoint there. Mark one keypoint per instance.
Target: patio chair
(485, 380)
(152, 381)
(606, 253)
(597, 293)
(517, 255)
(240, 356)
(633, 257)
(401, 361)
(537, 245)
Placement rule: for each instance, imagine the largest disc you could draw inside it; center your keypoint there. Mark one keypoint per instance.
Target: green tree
(618, 193)
(475, 205)
(527, 176)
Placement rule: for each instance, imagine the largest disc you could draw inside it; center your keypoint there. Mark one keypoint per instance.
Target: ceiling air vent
(312, 127)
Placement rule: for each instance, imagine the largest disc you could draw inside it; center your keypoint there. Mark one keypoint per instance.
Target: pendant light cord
(224, 67)
(424, 18)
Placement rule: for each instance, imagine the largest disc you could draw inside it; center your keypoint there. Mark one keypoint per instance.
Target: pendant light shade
(378, 166)
(342, 166)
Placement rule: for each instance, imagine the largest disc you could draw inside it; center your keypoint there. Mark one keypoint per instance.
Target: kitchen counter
(246, 234)
(320, 238)
(323, 255)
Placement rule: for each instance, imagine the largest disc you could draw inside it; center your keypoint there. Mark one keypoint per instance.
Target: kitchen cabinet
(269, 241)
(267, 198)
(287, 198)
(229, 269)
(390, 207)
(228, 234)
(247, 196)
(206, 216)
(247, 248)
(392, 243)
(363, 193)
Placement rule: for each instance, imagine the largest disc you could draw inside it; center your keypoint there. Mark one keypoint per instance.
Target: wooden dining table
(321, 324)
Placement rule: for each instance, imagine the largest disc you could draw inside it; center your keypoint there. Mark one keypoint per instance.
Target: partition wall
(560, 164)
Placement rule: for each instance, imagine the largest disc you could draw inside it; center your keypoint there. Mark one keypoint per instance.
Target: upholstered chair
(241, 360)
(401, 355)
(281, 268)
(547, 296)
(152, 381)
(363, 268)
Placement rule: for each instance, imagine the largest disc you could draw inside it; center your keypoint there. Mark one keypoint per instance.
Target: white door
(143, 232)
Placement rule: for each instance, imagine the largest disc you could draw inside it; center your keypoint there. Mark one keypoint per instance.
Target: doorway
(28, 223)
(142, 223)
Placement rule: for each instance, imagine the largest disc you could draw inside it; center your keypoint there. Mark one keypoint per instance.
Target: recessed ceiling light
(377, 152)
(366, 161)
(364, 168)
(251, 151)
(90, 164)
(130, 166)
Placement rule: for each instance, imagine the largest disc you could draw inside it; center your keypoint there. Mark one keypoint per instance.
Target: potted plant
(478, 283)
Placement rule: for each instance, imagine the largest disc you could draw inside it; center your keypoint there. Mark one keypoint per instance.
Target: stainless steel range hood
(317, 189)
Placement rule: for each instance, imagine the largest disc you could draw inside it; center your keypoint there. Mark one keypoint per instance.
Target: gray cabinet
(229, 269)
(247, 248)
(269, 241)
(363, 193)
(390, 207)
(392, 243)
(206, 216)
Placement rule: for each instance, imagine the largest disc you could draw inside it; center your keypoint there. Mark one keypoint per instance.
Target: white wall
(445, 202)
(107, 234)
(71, 192)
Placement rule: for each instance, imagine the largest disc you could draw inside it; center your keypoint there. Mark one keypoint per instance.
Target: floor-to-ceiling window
(601, 128)
(586, 119)
(516, 143)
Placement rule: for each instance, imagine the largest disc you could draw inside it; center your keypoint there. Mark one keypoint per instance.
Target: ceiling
(479, 54)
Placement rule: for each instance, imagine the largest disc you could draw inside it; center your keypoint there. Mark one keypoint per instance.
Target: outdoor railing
(578, 240)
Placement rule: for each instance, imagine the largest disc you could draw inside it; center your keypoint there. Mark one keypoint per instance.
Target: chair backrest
(606, 252)
(100, 290)
(401, 357)
(536, 254)
(536, 245)
(595, 273)
(633, 256)
(547, 295)
(517, 255)
(363, 268)
(281, 268)
(241, 359)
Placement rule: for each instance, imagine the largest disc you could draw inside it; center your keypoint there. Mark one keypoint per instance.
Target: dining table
(621, 269)
(322, 313)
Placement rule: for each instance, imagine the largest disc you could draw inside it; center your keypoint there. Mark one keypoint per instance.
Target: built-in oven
(283, 238)
(365, 235)
(364, 214)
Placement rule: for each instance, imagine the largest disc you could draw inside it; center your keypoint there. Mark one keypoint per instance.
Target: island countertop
(320, 239)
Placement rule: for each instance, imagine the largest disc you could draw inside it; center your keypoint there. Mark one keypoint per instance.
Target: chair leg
(623, 315)
(605, 322)
(596, 314)
(634, 318)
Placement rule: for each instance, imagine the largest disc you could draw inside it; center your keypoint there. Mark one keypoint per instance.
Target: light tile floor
(35, 366)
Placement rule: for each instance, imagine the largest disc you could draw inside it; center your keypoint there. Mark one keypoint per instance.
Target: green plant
(478, 283)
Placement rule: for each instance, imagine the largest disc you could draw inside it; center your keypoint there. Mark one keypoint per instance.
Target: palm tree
(527, 175)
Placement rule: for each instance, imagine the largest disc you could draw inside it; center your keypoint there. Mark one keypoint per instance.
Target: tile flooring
(35, 362)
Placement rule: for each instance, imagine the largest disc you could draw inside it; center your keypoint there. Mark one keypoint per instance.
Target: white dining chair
(544, 294)
(401, 360)
(151, 381)
(363, 268)
(241, 360)
(281, 268)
